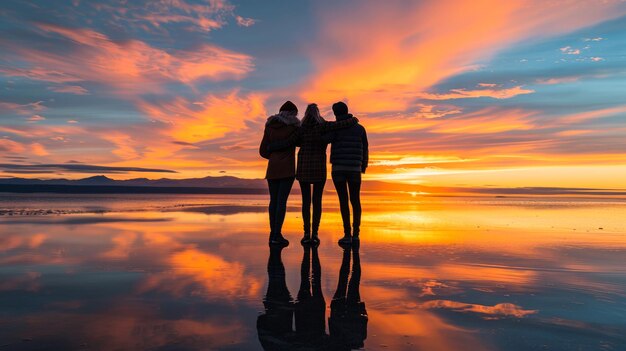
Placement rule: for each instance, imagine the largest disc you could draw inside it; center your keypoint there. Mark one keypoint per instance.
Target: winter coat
(312, 153)
(282, 163)
(349, 149)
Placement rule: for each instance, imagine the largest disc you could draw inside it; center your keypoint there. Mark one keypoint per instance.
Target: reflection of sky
(481, 88)
(447, 278)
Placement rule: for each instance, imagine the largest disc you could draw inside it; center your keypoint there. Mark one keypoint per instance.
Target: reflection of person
(275, 325)
(348, 316)
(349, 157)
(310, 309)
(311, 171)
(281, 167)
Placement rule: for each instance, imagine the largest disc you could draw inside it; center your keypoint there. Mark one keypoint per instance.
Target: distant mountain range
(234, 185)
(100, 180)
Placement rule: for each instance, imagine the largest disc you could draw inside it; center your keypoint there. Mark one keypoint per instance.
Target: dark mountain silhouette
(234, 185)
(100, 180)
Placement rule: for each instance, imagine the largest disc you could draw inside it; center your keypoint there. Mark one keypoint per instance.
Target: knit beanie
(288, 106)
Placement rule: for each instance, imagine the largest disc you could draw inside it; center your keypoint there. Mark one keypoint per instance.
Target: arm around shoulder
(331, 126)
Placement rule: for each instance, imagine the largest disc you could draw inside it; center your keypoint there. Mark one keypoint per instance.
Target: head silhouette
(312, 116)
(340, 108)
(288, 107)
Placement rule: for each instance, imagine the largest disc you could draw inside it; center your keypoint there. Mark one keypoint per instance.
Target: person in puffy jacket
(349, 158)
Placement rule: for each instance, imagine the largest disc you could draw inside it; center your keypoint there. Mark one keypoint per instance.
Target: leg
(318, 192)
(272, 185)
(305, 189)
(339, 179)
(354, 184)
(281, 208)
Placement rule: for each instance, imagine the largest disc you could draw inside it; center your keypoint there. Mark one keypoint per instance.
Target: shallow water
(195, 273)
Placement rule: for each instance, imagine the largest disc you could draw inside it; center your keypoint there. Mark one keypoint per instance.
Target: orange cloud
(210, 118)
(382, 55)
(38, 149)
(10, 146)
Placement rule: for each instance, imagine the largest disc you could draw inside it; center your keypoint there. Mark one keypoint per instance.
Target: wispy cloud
(70, 89)
(77, 168)
(127, 66)
(504, 93)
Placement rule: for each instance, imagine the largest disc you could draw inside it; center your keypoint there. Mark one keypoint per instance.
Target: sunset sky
(452, 93)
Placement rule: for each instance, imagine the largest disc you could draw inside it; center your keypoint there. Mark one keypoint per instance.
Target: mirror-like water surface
(195, 273)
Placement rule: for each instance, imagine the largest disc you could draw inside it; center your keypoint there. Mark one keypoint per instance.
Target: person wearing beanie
(281, 167)
(349, 158)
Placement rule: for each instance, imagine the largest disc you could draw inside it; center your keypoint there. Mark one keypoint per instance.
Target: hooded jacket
(281, 164)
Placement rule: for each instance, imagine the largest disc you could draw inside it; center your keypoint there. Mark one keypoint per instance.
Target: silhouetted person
(281, 167)
(348, 316)
(311, 171)
(275, 325)
(349, 158)
(310, 308)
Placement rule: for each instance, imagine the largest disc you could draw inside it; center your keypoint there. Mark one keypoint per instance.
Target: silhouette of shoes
(346, 240)
(279, 240)
(315, 240)
(306, 240)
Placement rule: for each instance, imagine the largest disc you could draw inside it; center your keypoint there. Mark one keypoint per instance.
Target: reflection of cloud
(497, 311)
(194, 268)
(10, 242)
(26, 282)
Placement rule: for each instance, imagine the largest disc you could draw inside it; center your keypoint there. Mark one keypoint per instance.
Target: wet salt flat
(154, 272)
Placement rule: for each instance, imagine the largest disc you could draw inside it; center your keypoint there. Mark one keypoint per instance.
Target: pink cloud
(245, 22)
(10, 146)
(39, 73)
(71, 89)
(129, 66)
(36, 118)
(22, 109)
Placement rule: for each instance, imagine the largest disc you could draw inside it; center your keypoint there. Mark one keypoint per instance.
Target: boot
(279, 240)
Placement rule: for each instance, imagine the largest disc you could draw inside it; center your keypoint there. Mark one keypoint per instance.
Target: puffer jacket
(281, 164)
(349, 149)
